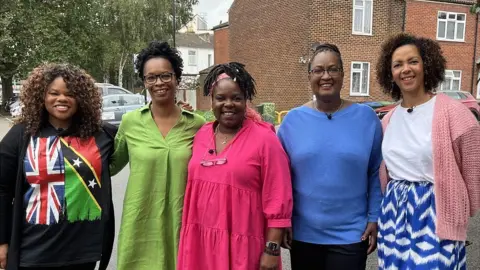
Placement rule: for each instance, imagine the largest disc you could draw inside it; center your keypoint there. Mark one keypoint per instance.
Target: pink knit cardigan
(456, 165)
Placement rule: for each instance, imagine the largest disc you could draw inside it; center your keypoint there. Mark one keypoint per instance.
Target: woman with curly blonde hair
(55, 190)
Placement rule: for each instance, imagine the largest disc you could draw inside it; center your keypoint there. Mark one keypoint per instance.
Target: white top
(407, 143)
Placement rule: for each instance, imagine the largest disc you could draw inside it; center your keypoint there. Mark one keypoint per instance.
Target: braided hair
(237, 72)
(326, 47)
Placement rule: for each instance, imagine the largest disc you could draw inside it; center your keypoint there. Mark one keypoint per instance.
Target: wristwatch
(272, 248)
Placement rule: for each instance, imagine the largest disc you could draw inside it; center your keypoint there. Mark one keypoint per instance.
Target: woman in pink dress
(239, 196)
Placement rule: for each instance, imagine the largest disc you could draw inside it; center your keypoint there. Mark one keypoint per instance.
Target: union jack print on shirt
(44, 169)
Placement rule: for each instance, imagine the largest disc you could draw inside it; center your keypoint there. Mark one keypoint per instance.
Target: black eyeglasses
(164, 77)
(333, 71)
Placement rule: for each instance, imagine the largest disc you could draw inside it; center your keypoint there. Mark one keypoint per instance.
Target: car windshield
(453, 95)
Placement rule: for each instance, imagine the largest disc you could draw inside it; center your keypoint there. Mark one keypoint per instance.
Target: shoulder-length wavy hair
(86, 121)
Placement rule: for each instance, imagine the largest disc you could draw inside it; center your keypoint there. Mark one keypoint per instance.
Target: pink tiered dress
(229, 207)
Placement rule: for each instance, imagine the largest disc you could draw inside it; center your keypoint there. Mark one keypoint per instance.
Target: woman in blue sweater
(335, 150)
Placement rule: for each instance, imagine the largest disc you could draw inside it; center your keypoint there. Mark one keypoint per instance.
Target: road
(120, 183)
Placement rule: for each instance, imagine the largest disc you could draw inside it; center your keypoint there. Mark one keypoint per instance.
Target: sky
(215, 10)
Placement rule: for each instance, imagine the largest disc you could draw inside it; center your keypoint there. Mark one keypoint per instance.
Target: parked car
(16, 109)
(467, 99)
(109, 89)
(115, 106)
(464, 97)
(381, 112)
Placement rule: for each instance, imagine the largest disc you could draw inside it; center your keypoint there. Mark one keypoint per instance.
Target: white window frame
(455, 39)
(192, 61)
(355, 70)
(449, 74)
(478, 86)
(354, 7)
(210, 59)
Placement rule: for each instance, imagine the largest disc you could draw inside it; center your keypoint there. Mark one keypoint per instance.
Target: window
(111, 101)
(478, 86)
(201, 24)
(192, 58)
(129, 100)
(362, 17)
(209, 60)
(116, 91)
(453, 80)
(360, 79)
(451, 26)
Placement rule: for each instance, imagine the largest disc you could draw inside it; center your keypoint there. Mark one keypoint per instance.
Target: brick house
(221, 43)
(456, 29)
(221, 55)
(275, 40)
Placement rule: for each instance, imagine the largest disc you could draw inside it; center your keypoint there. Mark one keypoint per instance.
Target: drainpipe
(474, 56)
(404, 15)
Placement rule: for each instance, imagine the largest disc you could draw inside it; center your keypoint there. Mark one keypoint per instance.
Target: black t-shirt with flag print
(65, 192)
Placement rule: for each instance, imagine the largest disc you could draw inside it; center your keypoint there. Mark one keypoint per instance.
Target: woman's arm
(120, 155)
(9, 151)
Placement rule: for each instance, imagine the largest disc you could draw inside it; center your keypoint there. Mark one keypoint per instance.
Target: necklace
(225, 137)
(329, 115)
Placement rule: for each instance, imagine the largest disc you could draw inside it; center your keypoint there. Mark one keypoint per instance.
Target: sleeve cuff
(373, 219)
(279, 223)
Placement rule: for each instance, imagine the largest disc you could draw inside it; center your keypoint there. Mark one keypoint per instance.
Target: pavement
(119, 184)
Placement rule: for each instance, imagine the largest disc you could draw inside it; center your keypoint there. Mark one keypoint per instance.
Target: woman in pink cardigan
(431, 148)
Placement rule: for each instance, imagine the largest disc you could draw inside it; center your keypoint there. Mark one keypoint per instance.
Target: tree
(475, 8)
(133, 23)
(32, 32)
(100, 36)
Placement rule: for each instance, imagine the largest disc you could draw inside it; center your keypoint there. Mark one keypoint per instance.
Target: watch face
(273, 246)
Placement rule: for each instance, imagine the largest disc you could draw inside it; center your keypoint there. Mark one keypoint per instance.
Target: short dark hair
(237, 72)
(157, 49)
(433, 63)
(326, 47)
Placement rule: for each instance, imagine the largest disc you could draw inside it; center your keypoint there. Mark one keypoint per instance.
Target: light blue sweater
(335, 164)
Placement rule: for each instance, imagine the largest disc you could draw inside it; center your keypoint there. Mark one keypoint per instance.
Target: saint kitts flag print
(64, 177)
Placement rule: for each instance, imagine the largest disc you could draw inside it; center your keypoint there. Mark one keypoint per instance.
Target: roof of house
(466, 2)
(220, 26)
(192, 40)
(206, 71)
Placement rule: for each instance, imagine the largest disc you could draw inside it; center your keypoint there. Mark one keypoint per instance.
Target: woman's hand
(185, 105)
(287, 238)
(3, 256)
(370, 234)
(269, 262)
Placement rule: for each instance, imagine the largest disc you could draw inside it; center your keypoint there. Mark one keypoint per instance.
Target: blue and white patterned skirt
(406, 236)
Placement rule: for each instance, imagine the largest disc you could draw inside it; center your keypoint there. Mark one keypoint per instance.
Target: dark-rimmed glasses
(164, 77)
(332, 71)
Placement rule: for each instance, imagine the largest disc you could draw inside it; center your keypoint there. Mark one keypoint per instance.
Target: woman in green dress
(156, 141)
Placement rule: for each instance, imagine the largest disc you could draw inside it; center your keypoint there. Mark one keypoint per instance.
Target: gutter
(474, 56)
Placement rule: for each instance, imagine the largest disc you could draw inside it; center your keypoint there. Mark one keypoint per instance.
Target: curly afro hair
(433, 63)
(86, 121)
(157, 49)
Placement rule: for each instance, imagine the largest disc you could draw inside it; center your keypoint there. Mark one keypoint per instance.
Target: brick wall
(387, 20)
(221, 45)
(270, 37)
(221, 55)
(421, 20)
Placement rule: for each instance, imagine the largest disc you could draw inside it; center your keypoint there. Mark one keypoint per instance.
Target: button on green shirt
(152, 209)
